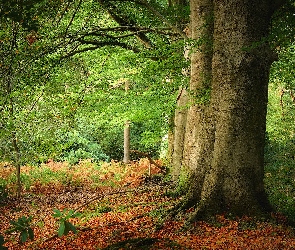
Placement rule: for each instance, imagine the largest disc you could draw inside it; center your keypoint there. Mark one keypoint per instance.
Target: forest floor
(126, 211)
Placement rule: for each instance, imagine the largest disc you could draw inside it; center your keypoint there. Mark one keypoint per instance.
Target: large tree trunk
(224, 140)
(197, 143)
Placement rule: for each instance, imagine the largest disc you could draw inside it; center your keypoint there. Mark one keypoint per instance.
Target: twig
(163, 18)
(73, 16)
(100, 196)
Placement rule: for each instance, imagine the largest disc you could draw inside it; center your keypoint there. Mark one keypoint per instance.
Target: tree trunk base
(205, 208)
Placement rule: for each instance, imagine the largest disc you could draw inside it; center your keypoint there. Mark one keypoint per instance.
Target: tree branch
(110, 43)
(124, 21)
(165, 20)
(98, 45)
(135, 30)
(73, 16)
(159, 15)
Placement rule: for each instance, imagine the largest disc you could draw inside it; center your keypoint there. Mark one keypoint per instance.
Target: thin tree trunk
(127, 142)
(17, 164)
(8, 80)
(15, 144)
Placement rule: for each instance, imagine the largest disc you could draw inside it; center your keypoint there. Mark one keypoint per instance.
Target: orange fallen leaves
(132, 215)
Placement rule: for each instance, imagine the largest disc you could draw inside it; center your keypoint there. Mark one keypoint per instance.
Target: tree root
(177, 210)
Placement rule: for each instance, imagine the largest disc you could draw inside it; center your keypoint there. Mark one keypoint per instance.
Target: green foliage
(145, 137)
(76, 147)
(283, 71)
(2, 247)
(22, 225)
(281, 108)
(44, 175)
(3, 193)
(95, 211)
(184, 181)
(65, 227)
(160, 214)
(103, 209)
(279, 182)
(63, 218)
(282, 32)
(111, 140)
(23, 12)
(25, 68)
(280, 138)
(50, 96)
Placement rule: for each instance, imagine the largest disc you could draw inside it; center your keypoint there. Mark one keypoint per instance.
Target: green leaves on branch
(65, 227)
(63, 218)
(22, 225)
(77, 145)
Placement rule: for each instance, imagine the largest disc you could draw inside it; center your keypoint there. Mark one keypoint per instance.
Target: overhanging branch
(165, 20)
(124, 21)
(134, 31)
(159, 15)
(98, 45)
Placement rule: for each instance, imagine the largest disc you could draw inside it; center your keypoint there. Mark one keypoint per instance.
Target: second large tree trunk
(224, 141)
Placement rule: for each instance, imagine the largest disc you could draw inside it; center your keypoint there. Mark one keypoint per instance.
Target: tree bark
(225, 128)
(179, 132)
(127, 142)
(200, 82)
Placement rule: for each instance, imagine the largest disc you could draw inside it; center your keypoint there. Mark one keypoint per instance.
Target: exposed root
(200, 212)
(177, 210)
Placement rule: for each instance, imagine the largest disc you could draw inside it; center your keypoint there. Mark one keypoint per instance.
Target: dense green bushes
(280, 146)
(76, 146)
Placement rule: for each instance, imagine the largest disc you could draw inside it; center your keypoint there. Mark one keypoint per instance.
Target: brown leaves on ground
(125, 216)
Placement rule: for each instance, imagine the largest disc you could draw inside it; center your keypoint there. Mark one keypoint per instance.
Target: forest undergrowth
(121, 207)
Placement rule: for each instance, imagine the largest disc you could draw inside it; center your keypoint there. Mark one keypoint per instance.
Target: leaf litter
(122, 209)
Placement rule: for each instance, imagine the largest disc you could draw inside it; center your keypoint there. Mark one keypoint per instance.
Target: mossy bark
(225, 134)
(179, 133)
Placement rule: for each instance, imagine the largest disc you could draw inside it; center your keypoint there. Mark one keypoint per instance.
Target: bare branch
(73, 16)
(165, 20)
(125, 21)
(97, 31)
(99, 45)
(160, 16)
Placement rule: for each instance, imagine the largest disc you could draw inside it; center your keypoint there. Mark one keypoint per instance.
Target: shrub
(76, 147)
